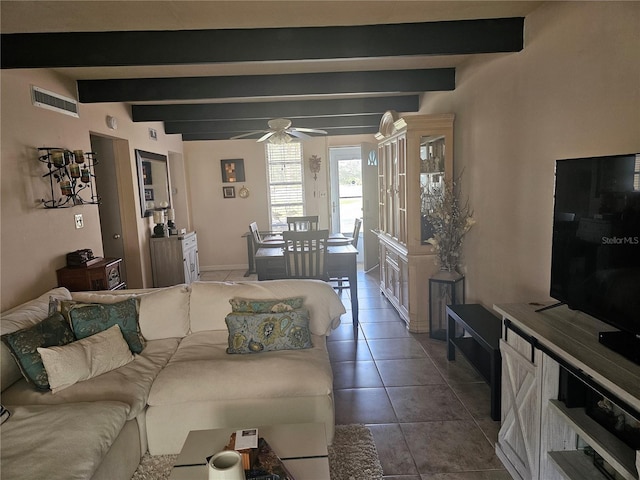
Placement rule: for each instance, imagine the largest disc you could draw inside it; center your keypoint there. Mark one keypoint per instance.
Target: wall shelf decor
(70, 177)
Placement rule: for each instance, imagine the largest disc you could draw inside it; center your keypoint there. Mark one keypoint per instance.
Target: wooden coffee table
(301, 446)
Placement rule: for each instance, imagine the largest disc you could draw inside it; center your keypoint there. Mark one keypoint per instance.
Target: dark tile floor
(429, 417)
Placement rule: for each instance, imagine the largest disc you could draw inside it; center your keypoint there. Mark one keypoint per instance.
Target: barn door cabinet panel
(174, 260)
(414, 153)
(554, 371)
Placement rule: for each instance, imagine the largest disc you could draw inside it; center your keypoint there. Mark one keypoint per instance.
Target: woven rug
(353, 456)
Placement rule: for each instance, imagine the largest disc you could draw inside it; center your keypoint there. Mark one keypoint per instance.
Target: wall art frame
(232, 170)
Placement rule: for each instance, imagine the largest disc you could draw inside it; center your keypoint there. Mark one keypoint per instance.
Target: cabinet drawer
(188, 242)
(393, 258)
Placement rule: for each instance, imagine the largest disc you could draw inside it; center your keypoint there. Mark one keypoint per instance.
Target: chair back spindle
(305, 223)
(305, 254)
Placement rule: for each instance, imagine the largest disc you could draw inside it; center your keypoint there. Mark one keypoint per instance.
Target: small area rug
(353, 456)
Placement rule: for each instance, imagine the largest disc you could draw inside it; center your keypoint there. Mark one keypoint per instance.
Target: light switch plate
(79, 220)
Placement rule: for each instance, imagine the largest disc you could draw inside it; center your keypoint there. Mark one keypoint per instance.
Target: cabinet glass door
(432, 177)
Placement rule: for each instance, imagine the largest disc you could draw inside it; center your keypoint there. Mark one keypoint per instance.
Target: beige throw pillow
(85, 359)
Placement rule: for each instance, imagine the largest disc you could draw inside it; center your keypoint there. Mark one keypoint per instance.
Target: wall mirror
(153, 182)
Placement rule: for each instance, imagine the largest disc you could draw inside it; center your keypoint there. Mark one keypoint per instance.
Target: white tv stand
(538, 438)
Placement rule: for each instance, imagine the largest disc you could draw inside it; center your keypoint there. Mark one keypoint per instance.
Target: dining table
(341, 262)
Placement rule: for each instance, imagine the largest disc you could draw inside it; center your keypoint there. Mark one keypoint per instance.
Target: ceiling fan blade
(266, 136)
(247, 134)
(309, 130)
(298, 134)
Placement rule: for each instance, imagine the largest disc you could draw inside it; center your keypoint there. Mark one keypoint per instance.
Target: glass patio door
(346, 188)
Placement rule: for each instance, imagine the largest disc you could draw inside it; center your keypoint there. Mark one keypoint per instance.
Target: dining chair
(352, 240)
(308, 222)
(305, 254)
(341, 283)
(258, 241)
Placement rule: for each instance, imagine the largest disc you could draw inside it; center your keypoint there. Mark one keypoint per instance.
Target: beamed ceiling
(215, 83)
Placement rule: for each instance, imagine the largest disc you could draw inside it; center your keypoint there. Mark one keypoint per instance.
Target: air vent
(53, 101)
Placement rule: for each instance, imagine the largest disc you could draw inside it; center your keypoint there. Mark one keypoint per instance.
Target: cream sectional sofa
(182, 380)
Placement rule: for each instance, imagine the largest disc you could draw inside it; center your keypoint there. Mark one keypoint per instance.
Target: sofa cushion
(246, 305)
(23, 344)
(164, 312)
(210, 301)
(85, 359)
(61, 442)
(129, 384)
(19, 317)
(90, 318)
(266, 332)
(201, 370)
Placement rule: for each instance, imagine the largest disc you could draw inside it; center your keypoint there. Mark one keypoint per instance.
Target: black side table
(481, 348)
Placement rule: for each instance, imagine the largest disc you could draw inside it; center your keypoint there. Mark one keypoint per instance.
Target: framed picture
(148, 194)
(232, 170)
(229, 192)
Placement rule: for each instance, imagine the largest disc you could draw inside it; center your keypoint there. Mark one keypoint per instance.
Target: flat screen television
(595, 260)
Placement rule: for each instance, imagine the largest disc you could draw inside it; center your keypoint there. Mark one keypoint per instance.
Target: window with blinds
(284, 176)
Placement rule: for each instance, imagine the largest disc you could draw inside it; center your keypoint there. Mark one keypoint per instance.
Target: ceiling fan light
(280, 138)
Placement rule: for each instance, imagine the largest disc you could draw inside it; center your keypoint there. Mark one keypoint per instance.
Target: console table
(174, 259)
(98, 274)
(481, 348)
(539, 431)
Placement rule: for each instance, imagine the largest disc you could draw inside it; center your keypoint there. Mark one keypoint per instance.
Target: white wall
(574, 91)
(35, 241)
(221, 222)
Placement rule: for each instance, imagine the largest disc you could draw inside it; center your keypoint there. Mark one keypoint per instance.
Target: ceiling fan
(281, 131)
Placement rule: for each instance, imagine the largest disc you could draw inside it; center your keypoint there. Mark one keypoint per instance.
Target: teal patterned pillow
(245, 305)
(90, 318)
(53, 331)
(266, 332)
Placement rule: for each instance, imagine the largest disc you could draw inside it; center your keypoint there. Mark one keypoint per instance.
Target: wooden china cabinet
(414, 152)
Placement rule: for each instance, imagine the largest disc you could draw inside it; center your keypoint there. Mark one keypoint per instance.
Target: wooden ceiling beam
(235, 127)
(260, 86)
(267, 110)
(181, 47)
(190, 137)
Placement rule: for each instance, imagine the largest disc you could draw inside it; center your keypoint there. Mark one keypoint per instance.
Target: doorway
(109, 208)
(346, 188)
(353, 171)
(345, 166)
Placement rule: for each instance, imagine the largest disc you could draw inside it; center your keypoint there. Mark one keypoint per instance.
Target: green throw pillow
(53, 331)
(265, 332)
(90, 318)
(245, 305)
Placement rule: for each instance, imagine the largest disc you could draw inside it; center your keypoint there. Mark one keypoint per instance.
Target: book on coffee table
(268, 462)
(261, 462)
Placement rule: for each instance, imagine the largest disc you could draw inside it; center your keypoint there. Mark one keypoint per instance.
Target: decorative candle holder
(72, 171)
(171, 218)
(159, 219)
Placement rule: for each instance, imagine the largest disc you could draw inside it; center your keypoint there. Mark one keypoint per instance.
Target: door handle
(116, 236)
